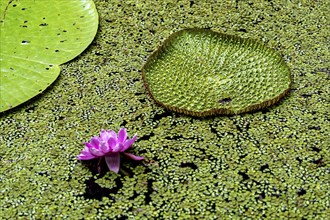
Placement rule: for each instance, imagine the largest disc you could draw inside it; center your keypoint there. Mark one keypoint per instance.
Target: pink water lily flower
(109, 146)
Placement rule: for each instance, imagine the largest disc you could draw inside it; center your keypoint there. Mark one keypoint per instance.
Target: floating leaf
(37, 36)
(200, 72)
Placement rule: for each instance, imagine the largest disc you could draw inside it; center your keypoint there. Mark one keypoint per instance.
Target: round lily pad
(201, 72)
(36, 37)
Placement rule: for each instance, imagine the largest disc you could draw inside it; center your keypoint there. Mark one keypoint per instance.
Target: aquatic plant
(109, 146)
(201, 72)
(36, 37)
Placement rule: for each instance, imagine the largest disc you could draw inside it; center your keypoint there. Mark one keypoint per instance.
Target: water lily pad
(200, 72)
(36, 37)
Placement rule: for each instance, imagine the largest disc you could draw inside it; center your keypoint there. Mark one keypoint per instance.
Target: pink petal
(118, 148)
(112, 134)
(96, 152)
(85, 151)
(95, 142)
(104, 147)
(122, 135)
(113, 162)
(85, 157)
(112, 142)
(88, 145)
(104, 135)
(132, 156)
(128, 143)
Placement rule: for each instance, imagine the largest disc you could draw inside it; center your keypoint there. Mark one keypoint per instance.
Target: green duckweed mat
(270, 164)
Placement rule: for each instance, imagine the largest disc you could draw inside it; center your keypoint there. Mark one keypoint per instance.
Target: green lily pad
(36, 37)
(200, 72)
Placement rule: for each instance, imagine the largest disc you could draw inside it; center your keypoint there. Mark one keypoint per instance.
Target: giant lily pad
(200, 72)
(36, 37)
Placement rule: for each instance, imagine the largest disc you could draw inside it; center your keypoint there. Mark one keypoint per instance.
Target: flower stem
(99, 165)
(123, 172)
